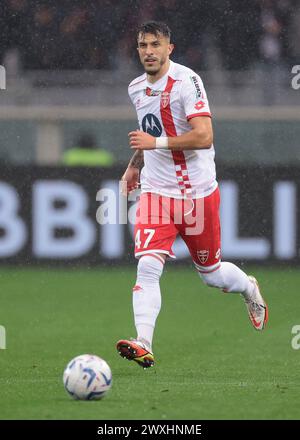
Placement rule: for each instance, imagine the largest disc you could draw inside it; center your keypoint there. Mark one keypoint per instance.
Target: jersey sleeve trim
(195, 115)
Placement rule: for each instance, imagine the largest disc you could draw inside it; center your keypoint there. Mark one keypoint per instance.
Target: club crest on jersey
(165, 99)
(203, 256)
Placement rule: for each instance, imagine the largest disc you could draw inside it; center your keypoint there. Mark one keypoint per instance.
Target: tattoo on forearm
(137, 159)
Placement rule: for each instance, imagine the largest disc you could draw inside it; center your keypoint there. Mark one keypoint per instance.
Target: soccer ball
(87, 377)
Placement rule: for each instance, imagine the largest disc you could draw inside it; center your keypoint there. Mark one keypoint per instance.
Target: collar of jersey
(159, 84)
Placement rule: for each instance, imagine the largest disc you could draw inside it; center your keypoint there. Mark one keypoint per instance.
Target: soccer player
(179, 191)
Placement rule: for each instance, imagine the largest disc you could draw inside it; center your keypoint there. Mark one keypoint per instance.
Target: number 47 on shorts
(143, 242)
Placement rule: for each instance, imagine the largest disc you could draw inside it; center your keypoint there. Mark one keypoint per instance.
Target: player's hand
(130, 180)
(139, 140)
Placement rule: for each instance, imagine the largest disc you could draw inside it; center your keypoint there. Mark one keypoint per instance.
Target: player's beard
(153, 71)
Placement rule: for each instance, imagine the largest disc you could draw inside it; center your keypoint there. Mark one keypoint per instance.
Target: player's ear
(171, 48)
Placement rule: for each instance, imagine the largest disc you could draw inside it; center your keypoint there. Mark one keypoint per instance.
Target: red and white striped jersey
(164, 109)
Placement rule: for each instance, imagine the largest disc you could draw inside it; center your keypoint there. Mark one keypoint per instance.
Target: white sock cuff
(155, 256)
(150, 268)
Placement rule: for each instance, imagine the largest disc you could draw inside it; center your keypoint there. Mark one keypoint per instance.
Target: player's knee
(149, 268)
(213, 279)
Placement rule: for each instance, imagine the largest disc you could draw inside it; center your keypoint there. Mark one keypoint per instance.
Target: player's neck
(164, 69)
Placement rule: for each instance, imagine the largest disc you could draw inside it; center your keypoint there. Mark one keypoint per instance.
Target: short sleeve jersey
(164, 108)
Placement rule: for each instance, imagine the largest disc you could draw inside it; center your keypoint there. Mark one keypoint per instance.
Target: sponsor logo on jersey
(199, 105)
(151, 125)
(165, 99)
(197, 86)
(203, 256)
(151, 92)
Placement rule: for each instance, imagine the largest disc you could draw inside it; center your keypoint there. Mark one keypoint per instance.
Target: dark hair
(155, 28)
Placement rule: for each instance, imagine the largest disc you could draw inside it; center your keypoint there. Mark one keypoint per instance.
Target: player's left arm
(199, 137)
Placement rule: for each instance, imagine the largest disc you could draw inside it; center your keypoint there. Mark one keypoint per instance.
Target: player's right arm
(130, 178)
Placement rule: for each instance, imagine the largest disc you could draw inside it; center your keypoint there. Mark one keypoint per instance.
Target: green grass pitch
(210, 362)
